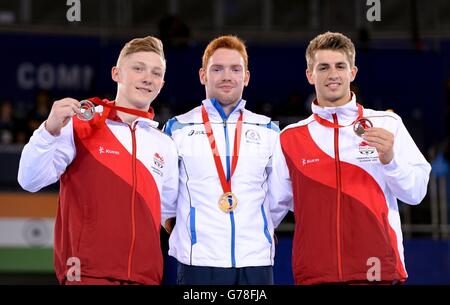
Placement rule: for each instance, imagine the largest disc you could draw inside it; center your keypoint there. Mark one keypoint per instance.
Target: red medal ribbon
(226, 185)
(108, 105)
(329, 124)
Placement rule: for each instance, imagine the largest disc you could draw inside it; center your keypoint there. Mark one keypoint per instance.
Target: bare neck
(335, 103)
(127, 117)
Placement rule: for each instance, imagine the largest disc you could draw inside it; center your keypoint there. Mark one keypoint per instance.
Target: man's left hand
(383, 141)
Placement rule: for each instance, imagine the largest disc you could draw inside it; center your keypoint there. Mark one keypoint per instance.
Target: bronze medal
(361, 125)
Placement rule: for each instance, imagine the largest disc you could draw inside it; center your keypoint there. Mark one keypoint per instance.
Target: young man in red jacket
(347, 167)
(116, 170)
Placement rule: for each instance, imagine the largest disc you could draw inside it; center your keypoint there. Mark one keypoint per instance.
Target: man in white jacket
(224, 218)
(347, 167)
(116, 171)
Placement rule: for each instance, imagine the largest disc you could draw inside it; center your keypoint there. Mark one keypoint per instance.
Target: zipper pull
(224, 123)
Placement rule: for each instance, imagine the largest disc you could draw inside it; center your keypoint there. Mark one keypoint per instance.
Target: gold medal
(228, 202)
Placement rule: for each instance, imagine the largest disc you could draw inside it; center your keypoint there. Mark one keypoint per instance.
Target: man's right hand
(60, 114)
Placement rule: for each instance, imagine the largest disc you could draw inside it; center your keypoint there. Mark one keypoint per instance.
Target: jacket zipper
(338, 204)
(233, 229)
(133, 199)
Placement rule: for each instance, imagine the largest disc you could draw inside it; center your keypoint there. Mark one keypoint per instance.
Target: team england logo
(158, 160)
(366, 149)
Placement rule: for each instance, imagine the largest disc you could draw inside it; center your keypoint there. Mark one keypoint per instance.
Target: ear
(354, 71)
(309, 76)
(202, 76)
(246, 78)
(115, 74)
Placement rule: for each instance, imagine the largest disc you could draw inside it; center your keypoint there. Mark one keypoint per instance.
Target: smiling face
(139, 77)
(225, 76)
(331, 74)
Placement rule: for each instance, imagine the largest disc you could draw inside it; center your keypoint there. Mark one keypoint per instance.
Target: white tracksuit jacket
(204, 235)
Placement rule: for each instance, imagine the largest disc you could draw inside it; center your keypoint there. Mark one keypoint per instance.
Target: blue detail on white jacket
(224, 117)
(192, 224)
(172, 125)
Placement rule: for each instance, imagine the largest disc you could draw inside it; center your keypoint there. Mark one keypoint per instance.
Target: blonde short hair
(145, 44)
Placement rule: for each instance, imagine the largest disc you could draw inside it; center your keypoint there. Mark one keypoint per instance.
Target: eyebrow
(327, 64)
(225, 65)
(144, 64)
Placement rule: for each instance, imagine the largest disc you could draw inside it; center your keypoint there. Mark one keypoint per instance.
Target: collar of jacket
(346, 113)
(216, 113)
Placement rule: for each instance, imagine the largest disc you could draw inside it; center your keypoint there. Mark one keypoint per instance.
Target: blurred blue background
(403, 61)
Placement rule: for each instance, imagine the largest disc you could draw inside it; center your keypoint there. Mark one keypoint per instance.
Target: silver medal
(87, 110)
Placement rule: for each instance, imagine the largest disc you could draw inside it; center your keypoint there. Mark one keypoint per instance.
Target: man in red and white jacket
(115, 172)
(346, 177)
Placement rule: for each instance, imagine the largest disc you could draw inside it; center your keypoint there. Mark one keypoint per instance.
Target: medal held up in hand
(361, 125)
(87, 110)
